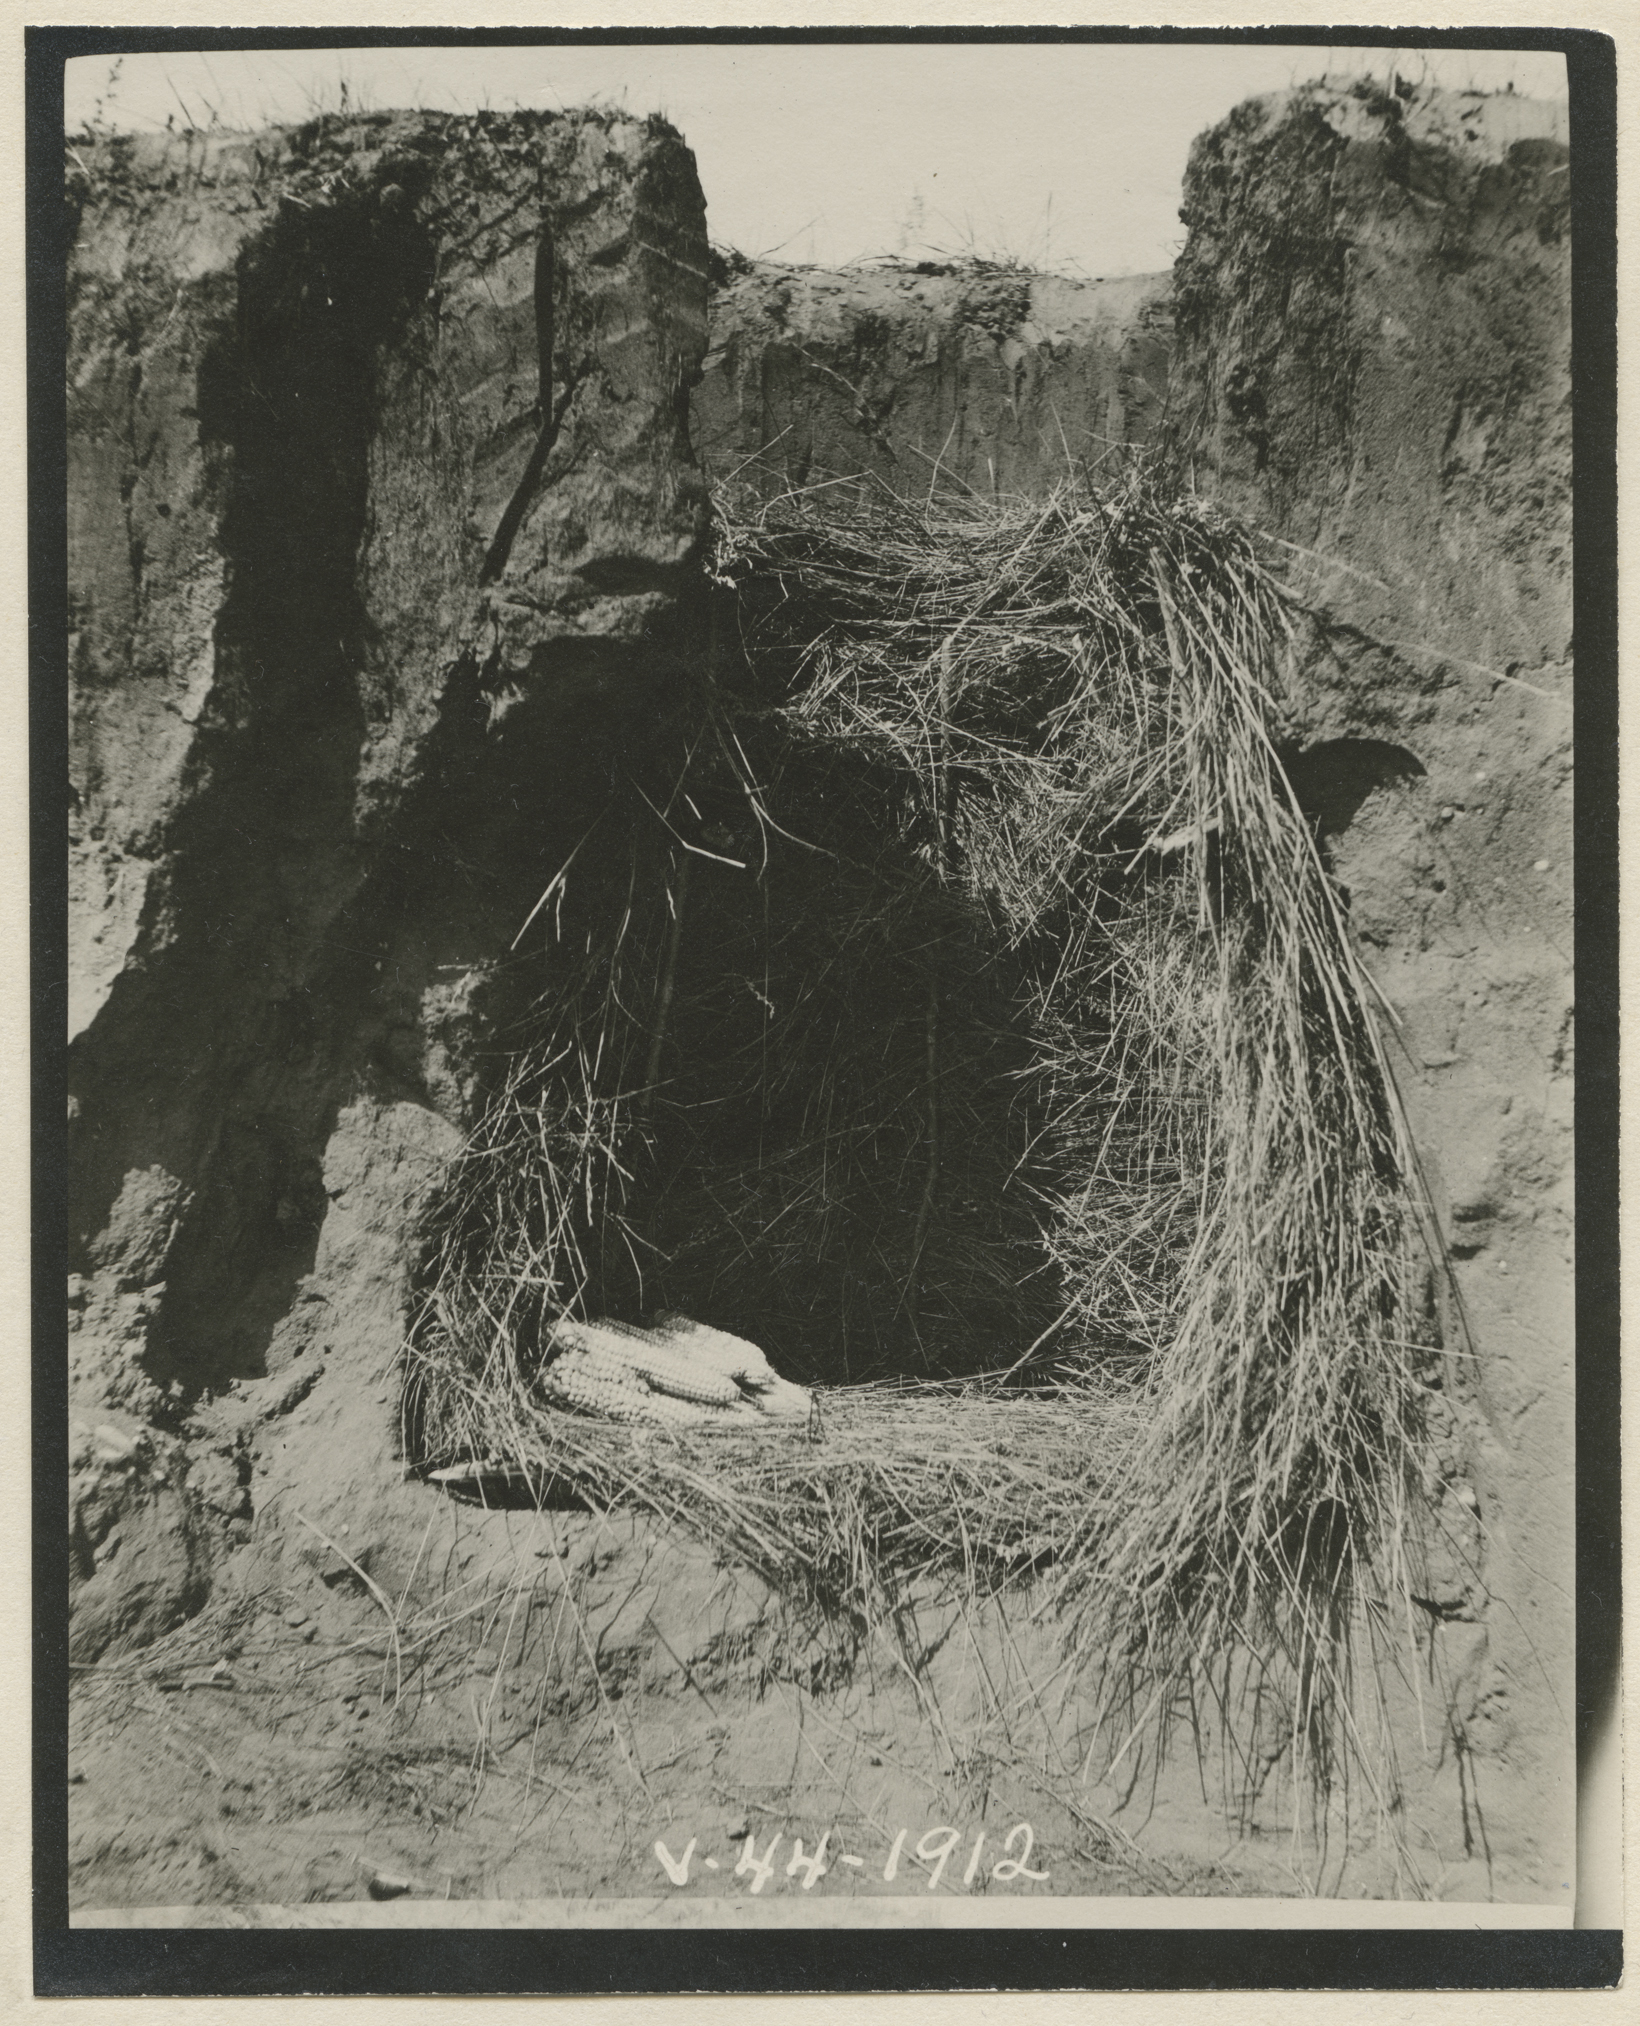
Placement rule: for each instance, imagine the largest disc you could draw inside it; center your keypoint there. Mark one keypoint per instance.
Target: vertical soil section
(1373, 330)
(968, 374)
(314, 740)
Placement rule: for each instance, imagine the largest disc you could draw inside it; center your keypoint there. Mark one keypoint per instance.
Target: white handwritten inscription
(933, 1851)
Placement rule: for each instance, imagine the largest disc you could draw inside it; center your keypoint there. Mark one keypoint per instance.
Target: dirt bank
(380, 474)
(994, 377)
(1372, 361)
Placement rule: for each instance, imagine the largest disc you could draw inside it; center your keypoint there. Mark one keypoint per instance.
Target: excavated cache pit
(767, 1062)
(356, 663)
(854, 1176)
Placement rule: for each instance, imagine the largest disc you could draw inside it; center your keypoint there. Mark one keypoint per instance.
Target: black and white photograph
(823, 1169)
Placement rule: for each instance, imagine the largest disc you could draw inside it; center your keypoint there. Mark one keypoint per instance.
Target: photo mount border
(239, 1962)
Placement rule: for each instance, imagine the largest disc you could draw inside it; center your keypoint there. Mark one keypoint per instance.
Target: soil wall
(1372, 361)
(996, 379)
(380, 482)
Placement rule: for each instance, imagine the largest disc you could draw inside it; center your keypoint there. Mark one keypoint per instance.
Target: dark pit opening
(763, 1059)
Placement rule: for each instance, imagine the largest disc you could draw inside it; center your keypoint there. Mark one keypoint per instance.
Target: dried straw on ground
(1056, 721)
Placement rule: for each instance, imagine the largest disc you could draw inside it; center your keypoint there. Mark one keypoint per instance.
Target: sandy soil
(572, 1706)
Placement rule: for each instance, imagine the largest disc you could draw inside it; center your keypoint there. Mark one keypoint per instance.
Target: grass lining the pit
(1037, 739)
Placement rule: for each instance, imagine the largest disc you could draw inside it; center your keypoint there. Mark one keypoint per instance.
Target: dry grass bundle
(900, 1494)
(1039, 739)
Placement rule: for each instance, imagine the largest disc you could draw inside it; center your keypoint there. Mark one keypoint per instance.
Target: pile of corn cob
(680, 1373)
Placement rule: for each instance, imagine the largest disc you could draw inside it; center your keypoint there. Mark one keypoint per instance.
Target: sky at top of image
(1063, 156)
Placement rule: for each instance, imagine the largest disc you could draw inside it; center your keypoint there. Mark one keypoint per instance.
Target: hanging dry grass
(1057, 721)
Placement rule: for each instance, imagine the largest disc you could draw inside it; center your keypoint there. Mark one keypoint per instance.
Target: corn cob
(595, 1388)
(594, 1385)
(733, 1356)
(665, 1368)
(674, 1373)
(641, 1359)
(621, 1374)
(670, 1411)
(741, 1361)
(681, 1374)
